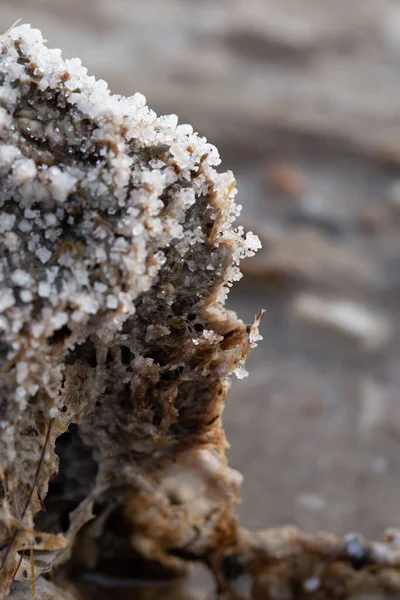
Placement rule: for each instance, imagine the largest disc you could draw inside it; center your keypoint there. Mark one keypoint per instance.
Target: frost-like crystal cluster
(117, 250)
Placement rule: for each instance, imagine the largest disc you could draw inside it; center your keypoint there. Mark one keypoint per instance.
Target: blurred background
(302, 97)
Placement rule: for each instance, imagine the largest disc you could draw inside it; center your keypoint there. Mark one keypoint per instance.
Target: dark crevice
(60, 336)
(126, 355)
(115, 556)
(85, 353)
(73, 483)
(160, 357)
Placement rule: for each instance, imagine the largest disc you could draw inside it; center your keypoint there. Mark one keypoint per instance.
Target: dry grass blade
(28, 500)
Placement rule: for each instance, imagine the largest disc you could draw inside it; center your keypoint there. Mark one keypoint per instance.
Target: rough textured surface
(116, 256)
(285, 87)
(328, 411)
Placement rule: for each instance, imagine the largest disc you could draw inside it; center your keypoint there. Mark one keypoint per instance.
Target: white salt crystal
(25, 226)
(22, 372)
(100, 287)
(50, 220)
(20, 397)
(253, 243)
(31, 214)
(87, 303)
(21, 278)
(6, 221)
(53, 413)
(241, 372)
(26, 296)
(43, 255)
(61, 183)
(24, 170)
(184, 129)
(59, 319)
(6, 299)
(112, 302)
(44, 289)
(37, 329)
(8, 155)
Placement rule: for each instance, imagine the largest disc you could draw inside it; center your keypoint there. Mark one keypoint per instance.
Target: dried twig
(29, 498)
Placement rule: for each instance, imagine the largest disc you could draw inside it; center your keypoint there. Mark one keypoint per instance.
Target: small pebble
(311, 501)
(315, 212)
(373, 218)
(311, 584)
(380, 465)
(353, 320)
(286, 180)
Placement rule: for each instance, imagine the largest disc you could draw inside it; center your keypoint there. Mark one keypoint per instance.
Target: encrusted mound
(117, 249)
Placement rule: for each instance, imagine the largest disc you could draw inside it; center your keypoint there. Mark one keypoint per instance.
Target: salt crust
(117, 251)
